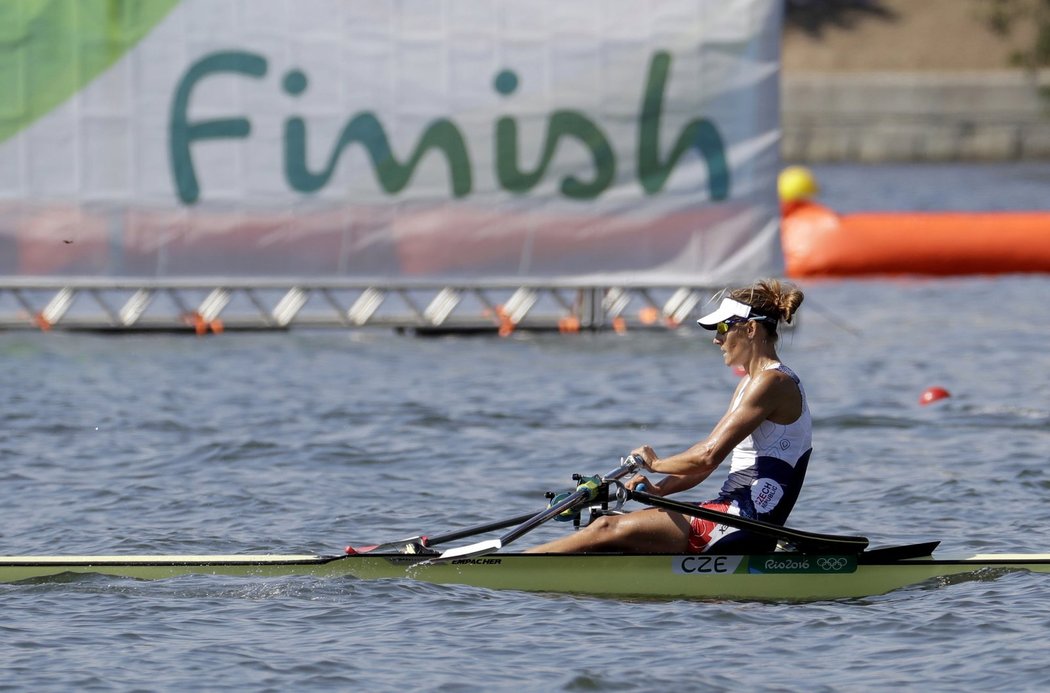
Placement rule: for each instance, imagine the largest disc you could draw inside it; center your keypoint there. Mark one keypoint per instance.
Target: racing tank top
(769, 466)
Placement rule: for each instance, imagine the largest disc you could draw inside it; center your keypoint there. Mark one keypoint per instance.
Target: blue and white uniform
(765, 477)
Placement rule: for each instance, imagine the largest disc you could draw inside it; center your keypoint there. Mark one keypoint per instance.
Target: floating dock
(207, 306)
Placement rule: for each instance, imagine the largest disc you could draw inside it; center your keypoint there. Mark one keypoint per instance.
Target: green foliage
(817, 16)
(1004, 17)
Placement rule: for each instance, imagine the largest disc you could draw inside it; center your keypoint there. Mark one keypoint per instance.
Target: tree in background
(1004, 16)
(815, 16)
(1026, 21)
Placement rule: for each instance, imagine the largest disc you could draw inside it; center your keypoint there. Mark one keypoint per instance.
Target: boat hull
(781, 576)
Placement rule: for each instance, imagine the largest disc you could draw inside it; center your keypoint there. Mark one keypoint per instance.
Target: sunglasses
(723, 327)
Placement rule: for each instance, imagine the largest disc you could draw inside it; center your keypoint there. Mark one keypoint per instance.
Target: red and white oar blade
(402, 546)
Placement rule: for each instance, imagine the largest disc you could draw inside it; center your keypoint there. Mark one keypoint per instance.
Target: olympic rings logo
(832, 564)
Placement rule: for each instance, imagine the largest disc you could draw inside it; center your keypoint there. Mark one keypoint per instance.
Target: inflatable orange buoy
(820, 243)
(933, 394)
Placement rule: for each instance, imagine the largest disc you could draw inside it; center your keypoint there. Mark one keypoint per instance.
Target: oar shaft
(805, 541)
(533, 521)
(583, 494)
(400, 544)
(579, 497)
(477, 529)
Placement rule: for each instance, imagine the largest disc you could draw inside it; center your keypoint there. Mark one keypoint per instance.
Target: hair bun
(771, 297)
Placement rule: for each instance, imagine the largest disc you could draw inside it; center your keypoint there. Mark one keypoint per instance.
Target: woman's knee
(607, 526)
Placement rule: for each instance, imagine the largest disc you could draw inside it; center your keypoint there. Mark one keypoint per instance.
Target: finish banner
(595, 140)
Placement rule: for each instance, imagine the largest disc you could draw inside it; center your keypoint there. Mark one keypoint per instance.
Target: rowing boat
(806, 566)
(775, 576)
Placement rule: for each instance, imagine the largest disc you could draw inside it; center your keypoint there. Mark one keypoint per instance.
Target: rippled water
(307, 441)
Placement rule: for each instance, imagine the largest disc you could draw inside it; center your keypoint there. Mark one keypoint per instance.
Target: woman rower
(767, 428)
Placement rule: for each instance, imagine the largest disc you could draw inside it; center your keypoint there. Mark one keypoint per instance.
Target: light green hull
(777, 576)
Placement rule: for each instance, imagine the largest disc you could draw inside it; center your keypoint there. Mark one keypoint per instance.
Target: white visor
(728, 309)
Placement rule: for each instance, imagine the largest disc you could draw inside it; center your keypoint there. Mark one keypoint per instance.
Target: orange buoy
(817, 242)
(933, 394)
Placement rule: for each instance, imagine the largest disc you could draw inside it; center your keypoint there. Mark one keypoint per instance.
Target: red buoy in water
(933, 394)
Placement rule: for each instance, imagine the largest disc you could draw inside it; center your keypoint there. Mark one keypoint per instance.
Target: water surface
(304, 442)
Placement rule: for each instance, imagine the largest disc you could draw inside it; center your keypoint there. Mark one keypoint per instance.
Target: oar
(428, 541)
(806, 542)
(584, 493)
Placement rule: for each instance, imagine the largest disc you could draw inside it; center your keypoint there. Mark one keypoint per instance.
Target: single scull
(776, 576)
(810, 566)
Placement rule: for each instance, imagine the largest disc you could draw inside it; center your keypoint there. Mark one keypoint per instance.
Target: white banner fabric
(626, 141)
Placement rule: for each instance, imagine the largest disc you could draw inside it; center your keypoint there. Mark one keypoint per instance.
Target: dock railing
(211, 305)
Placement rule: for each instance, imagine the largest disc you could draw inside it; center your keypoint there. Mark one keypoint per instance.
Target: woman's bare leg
(644, 531)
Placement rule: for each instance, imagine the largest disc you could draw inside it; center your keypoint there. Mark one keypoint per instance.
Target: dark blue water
(1015, 186)
(307, 441)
